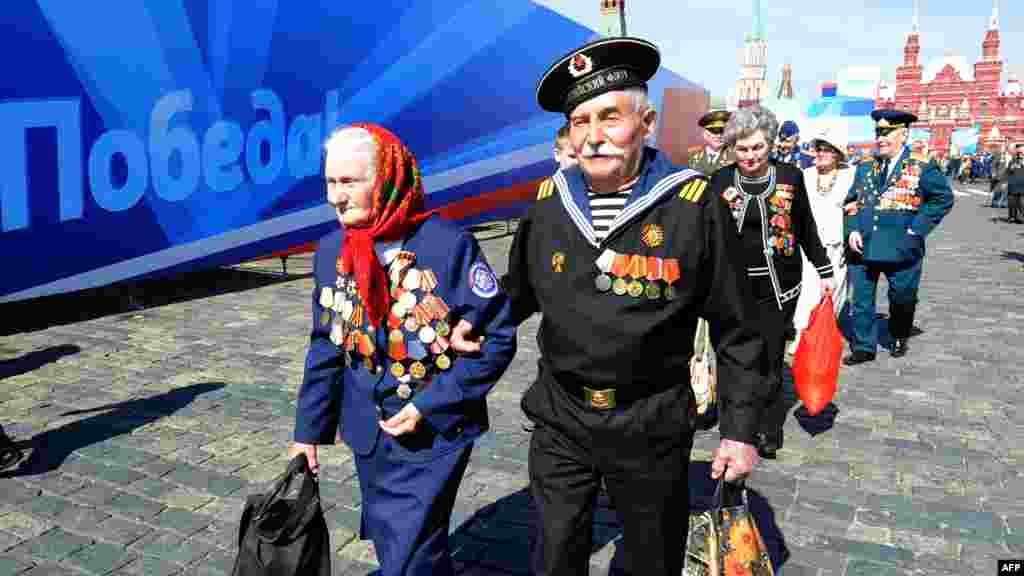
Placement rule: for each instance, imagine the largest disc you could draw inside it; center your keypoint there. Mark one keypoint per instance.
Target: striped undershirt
(603, 210)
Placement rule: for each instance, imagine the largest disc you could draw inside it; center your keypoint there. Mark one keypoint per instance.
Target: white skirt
(810, 289)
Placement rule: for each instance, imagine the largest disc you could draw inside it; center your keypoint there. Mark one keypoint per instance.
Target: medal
(428, 281)
(326, 297)
(443, 362)
(396, 345)
(411, 280)
(652, 291)
(325, 317)
(653, 235)
(346, 308)
(396, 291)
(442, 343)
(394, 321)
(670, 270)
(636, 289)
(670, 293)
(619, 286)
(620, 263)
(427, 334)
(442, 329)
(653, 269)
(426, 312)
(407, 300)
(416, 349)
(603, 282)
(397, 370)
(411, 324)
(418, 370)
(422, 316)
(404, 391)
(557, 262)
(439, 308)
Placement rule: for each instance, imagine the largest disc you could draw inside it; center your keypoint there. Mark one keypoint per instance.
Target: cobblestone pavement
(146, 427)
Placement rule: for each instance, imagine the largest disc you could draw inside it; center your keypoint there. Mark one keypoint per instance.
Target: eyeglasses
(885, 131)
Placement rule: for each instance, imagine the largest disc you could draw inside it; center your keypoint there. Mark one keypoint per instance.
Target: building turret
(613, 18)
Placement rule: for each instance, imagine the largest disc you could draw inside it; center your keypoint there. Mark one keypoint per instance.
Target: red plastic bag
(816, 362)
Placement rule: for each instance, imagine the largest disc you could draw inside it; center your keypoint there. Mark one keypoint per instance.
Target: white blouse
(827, 208)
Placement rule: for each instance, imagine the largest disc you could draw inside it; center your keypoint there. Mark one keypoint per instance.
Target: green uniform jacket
(700, 161)
(894, 217)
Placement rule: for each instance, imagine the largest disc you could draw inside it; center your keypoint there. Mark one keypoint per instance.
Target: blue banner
(187, 133)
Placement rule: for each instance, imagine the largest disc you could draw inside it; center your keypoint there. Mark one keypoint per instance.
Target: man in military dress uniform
(619, 288)
(789, 151)
(388, 286)
(896, 200)
(714, 153)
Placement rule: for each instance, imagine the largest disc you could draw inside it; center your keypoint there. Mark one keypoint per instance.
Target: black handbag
(285, 537)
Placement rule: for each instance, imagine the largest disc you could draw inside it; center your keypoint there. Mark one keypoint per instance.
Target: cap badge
(580, 64)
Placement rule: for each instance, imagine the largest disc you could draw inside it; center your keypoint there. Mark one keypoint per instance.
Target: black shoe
(858, 357)
(9, 452)
(899, 348)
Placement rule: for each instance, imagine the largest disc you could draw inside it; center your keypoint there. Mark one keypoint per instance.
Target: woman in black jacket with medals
(773, 217)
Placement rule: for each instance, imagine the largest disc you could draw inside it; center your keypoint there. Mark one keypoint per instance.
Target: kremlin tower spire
(752, 85)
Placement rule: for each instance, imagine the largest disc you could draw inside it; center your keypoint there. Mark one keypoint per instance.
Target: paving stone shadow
(90, 304)
(52, 447)
(35, 359)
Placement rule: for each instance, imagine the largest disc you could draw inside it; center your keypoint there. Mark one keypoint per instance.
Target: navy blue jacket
(453, 406)
(894, 218)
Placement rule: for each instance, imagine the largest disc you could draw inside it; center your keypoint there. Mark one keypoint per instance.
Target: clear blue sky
(701, 39)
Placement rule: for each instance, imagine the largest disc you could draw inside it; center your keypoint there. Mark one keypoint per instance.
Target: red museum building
(948, 94)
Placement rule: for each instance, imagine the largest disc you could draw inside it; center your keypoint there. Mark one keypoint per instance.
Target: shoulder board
(546, 189)
(693, 189)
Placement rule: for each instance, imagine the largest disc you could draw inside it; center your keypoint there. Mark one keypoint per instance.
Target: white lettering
(15, 119)
(304, 146)
(164, 141)
(222, 146)
(130, 147)
(270, 131)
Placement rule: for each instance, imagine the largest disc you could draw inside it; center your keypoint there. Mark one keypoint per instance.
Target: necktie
(885, 174)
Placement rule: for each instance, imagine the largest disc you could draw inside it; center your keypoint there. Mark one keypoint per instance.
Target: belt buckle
(599, 399)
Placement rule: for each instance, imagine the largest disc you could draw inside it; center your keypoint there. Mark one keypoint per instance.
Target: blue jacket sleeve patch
(482, 280)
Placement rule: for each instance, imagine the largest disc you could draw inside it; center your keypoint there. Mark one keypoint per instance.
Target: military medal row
(625, 274)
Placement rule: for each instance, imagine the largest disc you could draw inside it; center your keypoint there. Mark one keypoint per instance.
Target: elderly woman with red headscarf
(382, 365)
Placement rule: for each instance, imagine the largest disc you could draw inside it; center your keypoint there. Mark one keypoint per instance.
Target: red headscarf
(398, 208)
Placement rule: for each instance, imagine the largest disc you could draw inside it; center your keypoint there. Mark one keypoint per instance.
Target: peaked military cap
(598, 67)
(789, 128)
(889, 118)
(715, 121)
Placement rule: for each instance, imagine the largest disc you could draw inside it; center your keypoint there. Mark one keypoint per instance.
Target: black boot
(9, 453)
(901, 320)
(858, 357)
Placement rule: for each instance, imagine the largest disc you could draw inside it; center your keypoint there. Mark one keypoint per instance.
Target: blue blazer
(895, 215)
(453, 406)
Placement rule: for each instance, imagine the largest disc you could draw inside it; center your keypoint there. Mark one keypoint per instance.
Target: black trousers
(774, 324)
(641, 451)
(1013, 203)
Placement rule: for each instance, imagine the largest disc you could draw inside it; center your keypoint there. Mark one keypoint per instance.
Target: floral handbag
(724, 541)
(703, 368)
